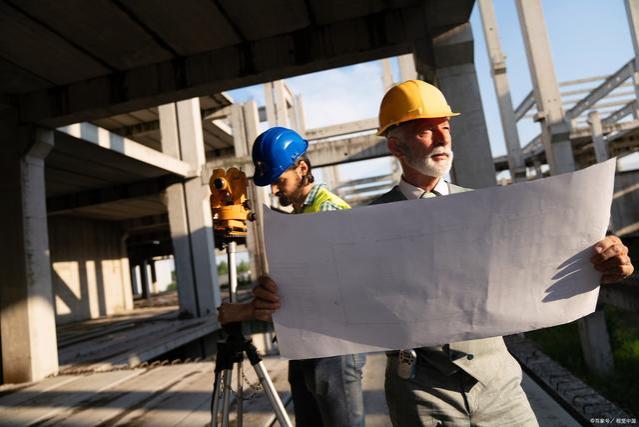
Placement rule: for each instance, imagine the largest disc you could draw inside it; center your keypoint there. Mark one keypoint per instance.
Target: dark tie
(427, 194)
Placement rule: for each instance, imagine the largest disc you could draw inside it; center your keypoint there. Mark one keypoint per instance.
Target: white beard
(429, 167)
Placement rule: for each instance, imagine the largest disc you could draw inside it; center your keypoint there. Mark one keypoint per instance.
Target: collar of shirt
(411, 192)
(310, 198)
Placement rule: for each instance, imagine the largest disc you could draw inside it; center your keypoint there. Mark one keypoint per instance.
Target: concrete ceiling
(68, 61)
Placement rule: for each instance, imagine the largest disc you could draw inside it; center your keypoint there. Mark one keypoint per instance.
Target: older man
(465, 383)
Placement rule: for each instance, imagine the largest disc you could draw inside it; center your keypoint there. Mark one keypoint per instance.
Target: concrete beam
(407, 69)
(595, 343)
(93, 134)
(555, 128)
(325, 153)
(607, 86)
(342, 129)
(387, 74)
(350, 41)
(624, 111)
(632, 11)
(624, 295)
(525, 106)
(27, 313)
(68, 202)
(363, 181)
(502, 90)
(598, 139)
(457, 78)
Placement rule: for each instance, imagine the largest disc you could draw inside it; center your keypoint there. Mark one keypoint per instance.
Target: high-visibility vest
(323, 195)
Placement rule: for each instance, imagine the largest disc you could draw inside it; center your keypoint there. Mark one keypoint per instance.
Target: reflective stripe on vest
(323, 195)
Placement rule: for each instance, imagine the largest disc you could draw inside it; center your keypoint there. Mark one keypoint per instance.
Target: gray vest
(483, 358)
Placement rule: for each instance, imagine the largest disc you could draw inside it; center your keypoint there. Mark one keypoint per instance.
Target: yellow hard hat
(410, 100)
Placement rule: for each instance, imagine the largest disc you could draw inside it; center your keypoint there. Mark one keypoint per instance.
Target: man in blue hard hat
(326, 391)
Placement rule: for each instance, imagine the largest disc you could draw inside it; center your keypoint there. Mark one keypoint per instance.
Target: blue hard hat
(274, 151)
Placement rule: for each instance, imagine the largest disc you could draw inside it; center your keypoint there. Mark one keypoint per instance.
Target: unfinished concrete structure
(88, 198)
(107, 140)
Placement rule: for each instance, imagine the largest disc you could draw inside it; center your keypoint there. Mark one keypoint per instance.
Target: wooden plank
(116, 402)
(43, 406)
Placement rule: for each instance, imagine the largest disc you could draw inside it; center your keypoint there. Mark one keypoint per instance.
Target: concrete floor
(180, 395)
(174, 394)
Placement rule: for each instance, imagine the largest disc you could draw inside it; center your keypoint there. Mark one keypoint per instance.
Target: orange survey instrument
(229, 204)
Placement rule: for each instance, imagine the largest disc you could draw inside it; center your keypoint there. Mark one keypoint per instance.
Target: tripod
(230, 353)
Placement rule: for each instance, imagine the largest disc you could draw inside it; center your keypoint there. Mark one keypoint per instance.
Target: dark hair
(309, 178)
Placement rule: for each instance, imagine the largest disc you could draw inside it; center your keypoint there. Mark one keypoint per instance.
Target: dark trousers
(327, 392)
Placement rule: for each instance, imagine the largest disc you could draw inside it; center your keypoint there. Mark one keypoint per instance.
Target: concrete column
(595, 343)
(387, 74)
(154, 277)
(407, 69)
(144, 278)
(189, 211)
(275, 100)
(256, 195)
(299, 114)
(27, 312)
(502, 90)
(456, 76)
(555, 130)
(598, 139)
(632, 10)
(135, 286)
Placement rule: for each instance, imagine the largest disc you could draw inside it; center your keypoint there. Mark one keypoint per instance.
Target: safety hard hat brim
(382, 131)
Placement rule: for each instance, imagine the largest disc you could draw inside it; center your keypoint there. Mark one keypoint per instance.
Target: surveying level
(231, 210)
(229, 204)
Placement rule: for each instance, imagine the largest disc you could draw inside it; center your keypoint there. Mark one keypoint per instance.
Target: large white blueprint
(432, 271)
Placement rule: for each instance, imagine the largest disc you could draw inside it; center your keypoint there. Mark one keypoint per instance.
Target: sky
(588, 38)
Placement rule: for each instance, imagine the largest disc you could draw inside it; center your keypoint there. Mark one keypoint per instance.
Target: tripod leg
(228, 377)
(215, 403)
(240, 394)
(273, 397)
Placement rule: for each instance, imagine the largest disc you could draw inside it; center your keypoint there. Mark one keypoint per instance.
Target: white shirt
(411, 192)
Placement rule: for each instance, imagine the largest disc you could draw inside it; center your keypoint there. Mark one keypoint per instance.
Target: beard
(429, 167)
(284, 201)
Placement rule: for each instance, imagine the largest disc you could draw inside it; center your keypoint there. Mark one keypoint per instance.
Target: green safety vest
(323, 195)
